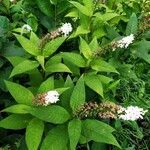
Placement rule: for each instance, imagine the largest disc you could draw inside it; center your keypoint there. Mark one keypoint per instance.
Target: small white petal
(131, 113)
(25, 28)
(51, 97)
(66, 29)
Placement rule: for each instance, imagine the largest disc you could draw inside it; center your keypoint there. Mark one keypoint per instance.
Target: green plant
(105, 59)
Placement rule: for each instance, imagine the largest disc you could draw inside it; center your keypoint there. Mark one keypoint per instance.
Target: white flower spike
(51, 97)
(132, 113)
(124, 42)
(66, 29)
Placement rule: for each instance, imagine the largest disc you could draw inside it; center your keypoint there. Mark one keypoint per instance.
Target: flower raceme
(47, 98)
(65, 29)
(109, 110)
(123, 43)
(132, 113)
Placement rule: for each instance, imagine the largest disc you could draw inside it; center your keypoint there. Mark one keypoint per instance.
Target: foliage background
(125, 72)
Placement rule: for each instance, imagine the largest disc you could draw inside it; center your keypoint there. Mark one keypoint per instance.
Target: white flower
(124, 42)
(66, 29)
(132, 113)
(12, 1)
(51, 97)
(25, 28)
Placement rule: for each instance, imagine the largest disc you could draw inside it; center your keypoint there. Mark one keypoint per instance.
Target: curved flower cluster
(109, 110)
(132, 113)
(66, 29)
(46, 99)
(123, 43)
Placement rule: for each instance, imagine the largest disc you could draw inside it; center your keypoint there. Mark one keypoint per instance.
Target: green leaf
(34, 38)
(17, 109)
(21, 94)
(114, 85)
(56, 139)
(28, 45)
(65, 97)
(81, 30)
(74, 130)
(41, 61)
(74, 58)
(15, 60)
(83, 9)
(34, 133)
(61, 90)
(85, 49)
(141, 49)
(35, 77)
(23, 67)
(102, 66)
(56, 59)
(53, 45)
(89, 5)
(57, 68)
(94, 44)
(94, 83)
(47, 85)
(46, 7)
(99, 132)
(132, 25)
(73, 68)
(104, 79)
(106, 17)
(4, 25)
(78, 95)
(53, 114)
(15, 122)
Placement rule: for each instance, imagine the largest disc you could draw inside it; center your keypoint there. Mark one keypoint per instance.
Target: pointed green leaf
(85, 49)
(53, 114)
(15, 60)
(104, 79)
(17, 109)
(83, 9)
(94, 83)
(34, 38)
(23, 67)
(65, 97)
(52, 46)
(56, 59)
(46, 7)
(132, 25)
(57, 68)
(99, 132)
(102, 66)
(94, 44)
(15, 122)
(29, 46)
(47, 85)
(78, 95)
(41, 61)
(74, 58)
(141, 49)
(56, 139)
(21, 94)
(34, 133)
(74, 130)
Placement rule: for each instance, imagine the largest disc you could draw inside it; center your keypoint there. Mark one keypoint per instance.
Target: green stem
(88, 147)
